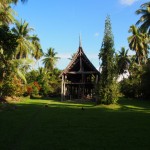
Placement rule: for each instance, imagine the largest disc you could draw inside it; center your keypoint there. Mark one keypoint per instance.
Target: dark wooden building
(79, 78)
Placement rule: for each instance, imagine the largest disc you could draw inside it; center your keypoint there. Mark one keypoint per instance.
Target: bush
(33, 88)
(146, 82)
(7, 87)
(109, 94)
(131, 88)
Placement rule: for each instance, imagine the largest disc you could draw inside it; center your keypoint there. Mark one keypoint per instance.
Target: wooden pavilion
(79, 78)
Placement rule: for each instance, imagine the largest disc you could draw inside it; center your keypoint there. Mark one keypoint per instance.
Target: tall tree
(6, 13)
(50, 59)
(123, 61)
(25, 46)
(107, 86)
(138, 42)
(144, 20)
(37, 53)
(8, 45)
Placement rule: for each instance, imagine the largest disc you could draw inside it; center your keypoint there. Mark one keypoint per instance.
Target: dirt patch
(12, 98)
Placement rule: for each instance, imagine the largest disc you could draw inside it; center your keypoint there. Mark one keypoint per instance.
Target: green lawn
(64, 126)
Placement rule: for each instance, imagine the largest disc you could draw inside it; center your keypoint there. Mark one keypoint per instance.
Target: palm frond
(21, 75)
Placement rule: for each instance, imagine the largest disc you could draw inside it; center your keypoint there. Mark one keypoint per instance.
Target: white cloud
(128, 2)
(64, 56)
(92, 56)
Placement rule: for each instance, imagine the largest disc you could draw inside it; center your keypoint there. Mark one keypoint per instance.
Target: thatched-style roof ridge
(77, 57)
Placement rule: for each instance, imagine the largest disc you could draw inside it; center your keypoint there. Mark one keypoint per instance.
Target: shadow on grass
(134, 104)
(51, 124)
(123, 105)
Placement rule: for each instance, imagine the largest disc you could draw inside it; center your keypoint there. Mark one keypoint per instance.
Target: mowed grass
(65, 126)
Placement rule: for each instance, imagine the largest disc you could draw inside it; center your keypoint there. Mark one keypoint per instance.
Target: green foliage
(7, 88)
(144, 22)
(50, 59)
(146, 81)
(11, 86)
(8, 43)
(138, 42)
(137, 85)
(37, 52)
(9, 71)
(31, 76)
(6, 13)
(15, 46)
(25, 46)
(123, 61)
(48, 81)
(109, 94)
(107, 78)
(131, 88)
(33, 88)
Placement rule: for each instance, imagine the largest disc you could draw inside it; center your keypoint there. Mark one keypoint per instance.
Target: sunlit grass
(55, 103)
(50, 124)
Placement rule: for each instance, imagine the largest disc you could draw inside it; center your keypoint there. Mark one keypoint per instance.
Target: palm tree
(37, 53)
(144, 20)
(50, 59)
(123, 61)
(138, 44)
(25, 46)
(6, 13)
(146, 41)
(42, 74)
(18, 68)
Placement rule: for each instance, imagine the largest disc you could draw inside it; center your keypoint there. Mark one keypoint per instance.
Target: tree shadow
(123, 104)
(134, 104)
(50, 124)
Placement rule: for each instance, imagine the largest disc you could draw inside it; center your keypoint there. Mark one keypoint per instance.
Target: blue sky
(58, 24)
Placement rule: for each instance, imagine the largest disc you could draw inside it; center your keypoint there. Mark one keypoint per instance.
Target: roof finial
(80, 44)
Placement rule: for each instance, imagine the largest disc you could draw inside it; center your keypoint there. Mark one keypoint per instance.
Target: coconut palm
(144, 20)
(37, 53)
(138, 43)
(18, 68)
(146, 41)
(6, 13)
(50, 59)
(25, 46)
(123, 60)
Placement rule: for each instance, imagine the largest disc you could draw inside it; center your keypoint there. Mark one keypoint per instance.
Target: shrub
(109, 94)
(131, 88)
(33, 88)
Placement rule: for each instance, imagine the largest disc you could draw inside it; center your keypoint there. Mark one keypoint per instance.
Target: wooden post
(62, 88)
(78, 92)
(64, 93)
(70, 91)
(96, 79)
